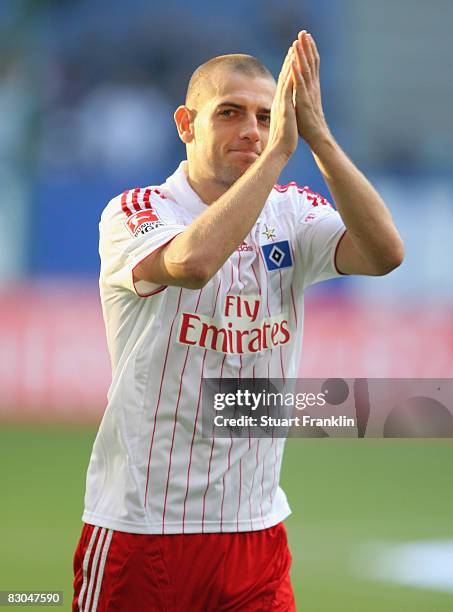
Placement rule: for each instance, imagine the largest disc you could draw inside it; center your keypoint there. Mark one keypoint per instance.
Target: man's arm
(193, 257)
(372, 244)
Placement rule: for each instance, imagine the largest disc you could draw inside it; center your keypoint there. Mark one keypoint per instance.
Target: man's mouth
(248, 153)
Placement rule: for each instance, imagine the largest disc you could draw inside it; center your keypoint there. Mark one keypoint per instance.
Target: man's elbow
(394, 257)
(180, 272)
(194, 275)
(196, 278)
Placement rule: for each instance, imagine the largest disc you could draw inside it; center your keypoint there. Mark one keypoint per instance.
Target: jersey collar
(183, 193)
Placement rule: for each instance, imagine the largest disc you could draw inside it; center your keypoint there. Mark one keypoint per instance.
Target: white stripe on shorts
(105, 550)
(86, 561)
(94, 564)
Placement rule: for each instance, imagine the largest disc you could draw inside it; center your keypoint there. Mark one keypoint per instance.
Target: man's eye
(264, 119)
(227, 112)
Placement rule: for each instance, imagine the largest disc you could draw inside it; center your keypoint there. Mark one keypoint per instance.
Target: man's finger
(283, 72)
(315, 51)
(298, 80)
(286, 60)
(287, 91)
(283, 77)
(281, 91)
(302, 60)
(304, 39)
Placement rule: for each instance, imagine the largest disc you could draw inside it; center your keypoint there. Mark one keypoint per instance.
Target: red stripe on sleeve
(124, 205)
(146, 198)
(135, 203)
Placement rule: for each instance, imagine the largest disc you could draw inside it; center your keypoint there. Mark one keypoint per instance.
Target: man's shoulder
(302, 194)
(301, 199)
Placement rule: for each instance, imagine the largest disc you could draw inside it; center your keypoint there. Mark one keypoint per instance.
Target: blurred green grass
(344, 493)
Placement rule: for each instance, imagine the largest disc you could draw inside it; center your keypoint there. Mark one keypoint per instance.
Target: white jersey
(151, 471)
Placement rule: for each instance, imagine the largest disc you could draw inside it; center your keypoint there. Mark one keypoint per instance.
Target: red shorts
(128, 572)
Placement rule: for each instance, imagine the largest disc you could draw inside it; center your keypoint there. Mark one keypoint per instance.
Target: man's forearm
(210, 240)
(362, 209)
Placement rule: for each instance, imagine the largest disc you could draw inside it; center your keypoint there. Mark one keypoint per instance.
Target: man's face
(231, 127)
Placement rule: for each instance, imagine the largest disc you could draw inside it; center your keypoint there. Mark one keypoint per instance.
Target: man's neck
(208, 190)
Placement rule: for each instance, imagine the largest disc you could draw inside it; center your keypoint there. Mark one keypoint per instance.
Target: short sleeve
(319, 233)
(132, 227)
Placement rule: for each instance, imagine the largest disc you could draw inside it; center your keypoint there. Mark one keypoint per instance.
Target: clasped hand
(311, 123)
(297, 107)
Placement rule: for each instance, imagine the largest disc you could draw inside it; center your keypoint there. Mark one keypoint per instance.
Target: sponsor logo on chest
(239, 330)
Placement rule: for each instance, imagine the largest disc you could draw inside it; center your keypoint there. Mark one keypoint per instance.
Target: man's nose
(249, 129)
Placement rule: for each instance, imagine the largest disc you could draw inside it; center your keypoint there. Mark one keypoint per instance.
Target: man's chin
(230, 174)
(241, 166)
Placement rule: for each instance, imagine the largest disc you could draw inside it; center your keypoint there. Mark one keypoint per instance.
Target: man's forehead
(241, 89)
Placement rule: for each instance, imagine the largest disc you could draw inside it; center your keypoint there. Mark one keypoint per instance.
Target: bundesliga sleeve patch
(277, 255)
(143, 222)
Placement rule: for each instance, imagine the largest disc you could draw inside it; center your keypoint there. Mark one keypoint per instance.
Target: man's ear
(184, 118)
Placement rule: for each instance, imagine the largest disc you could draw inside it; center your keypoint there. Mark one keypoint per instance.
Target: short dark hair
(236, 62)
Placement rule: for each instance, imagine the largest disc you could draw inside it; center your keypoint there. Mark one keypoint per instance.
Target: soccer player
(203, 276)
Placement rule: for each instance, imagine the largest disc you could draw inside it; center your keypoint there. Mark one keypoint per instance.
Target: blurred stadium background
(87, 92)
